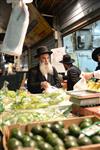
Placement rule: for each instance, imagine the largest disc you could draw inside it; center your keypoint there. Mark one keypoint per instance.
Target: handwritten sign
(57, 56)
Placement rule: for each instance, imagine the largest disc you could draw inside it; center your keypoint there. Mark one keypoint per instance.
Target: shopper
(73, 72)
(44, 74)
(96, 57)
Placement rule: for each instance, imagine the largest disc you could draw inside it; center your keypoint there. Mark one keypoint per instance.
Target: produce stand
(23, 110)
(67, 123)
(22, 107)
(85, 111)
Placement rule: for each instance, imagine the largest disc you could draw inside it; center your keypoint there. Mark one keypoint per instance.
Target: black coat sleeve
(56, 79)
(73, 76)
(35, 78)
(33, 84)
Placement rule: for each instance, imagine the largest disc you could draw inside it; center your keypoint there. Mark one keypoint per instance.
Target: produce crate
(67, 123)
(85, 111)
(52, 113)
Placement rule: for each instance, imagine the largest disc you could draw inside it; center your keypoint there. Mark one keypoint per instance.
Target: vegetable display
(22, 107)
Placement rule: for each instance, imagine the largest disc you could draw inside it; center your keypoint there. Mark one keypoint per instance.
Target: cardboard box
(67, 123)
(85, 111)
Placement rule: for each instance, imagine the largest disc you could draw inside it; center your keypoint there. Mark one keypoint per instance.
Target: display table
(85, 111)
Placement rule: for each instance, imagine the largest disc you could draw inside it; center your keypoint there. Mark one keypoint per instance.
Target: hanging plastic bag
(80, 85)
(16, 29)
(25, 1)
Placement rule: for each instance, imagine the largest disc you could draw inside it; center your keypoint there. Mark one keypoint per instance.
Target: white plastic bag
(50, 89)
(80, 85)
(16, 30)
(25, 1)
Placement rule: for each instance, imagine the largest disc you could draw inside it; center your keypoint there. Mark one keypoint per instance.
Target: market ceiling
(50, 7)
(41, 16)
(47, 6)
(42, 28)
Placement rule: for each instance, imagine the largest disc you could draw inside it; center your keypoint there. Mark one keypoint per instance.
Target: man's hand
(87, 75)
(45, 85)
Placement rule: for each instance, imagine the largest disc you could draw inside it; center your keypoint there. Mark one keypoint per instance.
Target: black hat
(67, 59)
(95, 53)
(42, 50)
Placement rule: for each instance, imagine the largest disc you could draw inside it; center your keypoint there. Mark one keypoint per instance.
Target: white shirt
(46, 76)
(97, 74)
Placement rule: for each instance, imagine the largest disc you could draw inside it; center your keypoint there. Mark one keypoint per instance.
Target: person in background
(96, 73)
(89, 75)
(44, 74)
(73, 72)
(96, 57)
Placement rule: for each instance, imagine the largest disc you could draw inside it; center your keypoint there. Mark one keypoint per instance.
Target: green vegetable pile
(22, 108)
(52, 136)
(23, 100)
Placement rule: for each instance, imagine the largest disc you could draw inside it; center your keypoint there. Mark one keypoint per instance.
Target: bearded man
(44, 74)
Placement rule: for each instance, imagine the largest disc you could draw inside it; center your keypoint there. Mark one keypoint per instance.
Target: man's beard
(46, 68)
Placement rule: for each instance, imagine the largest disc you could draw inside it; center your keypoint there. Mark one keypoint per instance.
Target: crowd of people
(44, 75)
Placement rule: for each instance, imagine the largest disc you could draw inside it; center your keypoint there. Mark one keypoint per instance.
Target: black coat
(98, 67)
(35, 78)
(73, 76)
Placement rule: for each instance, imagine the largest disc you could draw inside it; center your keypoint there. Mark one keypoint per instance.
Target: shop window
(69, 43)
(81, 43)
(96, 34)
(86, 38)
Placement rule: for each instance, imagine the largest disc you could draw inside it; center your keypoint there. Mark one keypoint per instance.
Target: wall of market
(72, 20)
(68, 20)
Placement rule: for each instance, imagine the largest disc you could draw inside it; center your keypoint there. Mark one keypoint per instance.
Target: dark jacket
(73, 76)
(98, 67)
(35, 78)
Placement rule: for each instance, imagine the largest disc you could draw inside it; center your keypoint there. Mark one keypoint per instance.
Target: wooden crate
(67, 123)
(86, 111)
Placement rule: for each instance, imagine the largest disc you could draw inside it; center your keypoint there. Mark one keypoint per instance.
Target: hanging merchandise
(17, 28)
(25, 1)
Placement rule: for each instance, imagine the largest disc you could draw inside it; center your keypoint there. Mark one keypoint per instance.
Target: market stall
(27, 113)
(43, 121)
